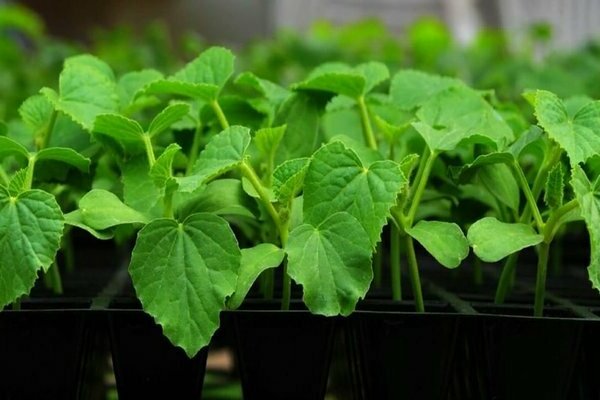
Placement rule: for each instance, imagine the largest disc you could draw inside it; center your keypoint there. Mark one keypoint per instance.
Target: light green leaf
(288, 178)
(182, 274)
(555, 187)
(267, 140)
(224, 152)
(168, 117)
(64, 155)
(131, 84)
(10, 147)
(31, 226)
(86, 88)
(332, 262)
(577, 135)
(588, 196)
(493, 240)
(162, 170)
(101, 209)
(18, 182)
(336, 78)
(274, 93)
(74, 218)
(36, 111)
(445, 241)
(457, 114)
(221, 197)
(254, 261)
(125, 131)
(410, 89)
(337, 180)
(139, 190)
(501, 183)
(374, 73)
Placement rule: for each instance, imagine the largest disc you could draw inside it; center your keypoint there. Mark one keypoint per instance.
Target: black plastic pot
(147, 365)
(283, 354)
(42, 353)
(402, 354)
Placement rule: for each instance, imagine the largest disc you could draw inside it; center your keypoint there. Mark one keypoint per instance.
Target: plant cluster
(221, 178)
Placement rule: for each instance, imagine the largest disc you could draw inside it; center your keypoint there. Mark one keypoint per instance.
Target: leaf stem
(57, 286)
(413, 271)
(396, 273)
(377, 265)
(286, 293)
(194, 150)
(540, 284)
(149, 149)
(421, 183)
(220, 114)
(531, 201)
(366, 123)
(553, 223)
(249, 173)
(29, 172)
(506, 278)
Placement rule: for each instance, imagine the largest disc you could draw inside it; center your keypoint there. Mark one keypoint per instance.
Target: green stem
(4, 179)
(57, 286)
(366, 123)
(505, 282)
(413, 271)
(540, 284)
(29, 172)
(423, 177)
(477, 272)
(16, 305)
(286, 293)
(249, 173)
(531, 201)
(396, 273)
(554, 221)
(269, 284)
(68, 251)
(149, 149)
(168, 204)
(194, 150)
(220, 114)
(42, 142)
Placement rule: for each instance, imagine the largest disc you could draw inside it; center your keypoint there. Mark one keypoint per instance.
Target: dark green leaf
(555, 186)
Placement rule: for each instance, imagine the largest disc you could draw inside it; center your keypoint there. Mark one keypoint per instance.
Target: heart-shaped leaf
(332, 262)
(182, 274)
(492, 240)
(31, 226)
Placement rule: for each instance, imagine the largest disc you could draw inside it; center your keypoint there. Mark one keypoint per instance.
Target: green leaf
(36, 111)
(125, 131)
(588, 196)
(31, 226)
(445, 241)
(493, 240)
(162, 170)
(577, 135)
(131, 84)
(10, 147)
(374, 73)
(101, 209)
(337, 180)
(64, 155)
(274, 93)
(74, 218)
(224, 152)
(555, 186)
(528, 137)
(332, 261)
(410, 89)
(86, 88)
(221, 197)
(254, 261)
(267, 140)
(18, 182)
(457, 114)
(288, 178)
(139, 190)
(168, 117)
(182, 274)
(336, 78)
(501, 183)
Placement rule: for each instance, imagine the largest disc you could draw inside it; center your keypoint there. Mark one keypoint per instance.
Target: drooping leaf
(10, 147)
(254, 261)
(101, 209)
(224, 152)
(337, 180)
(588, 196)
(555, 187)
(74, 218)
(468, 172)
(220, 197)
(445, 241)
(410, 89)
(64, 155)
(182, 273)
(267, 140)
(86, 89)
(167, 117)
(125, 131)
(288, 178)
(501, 183)
(332, 262)
(577, 135)
(31, 226)
(492, 240)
